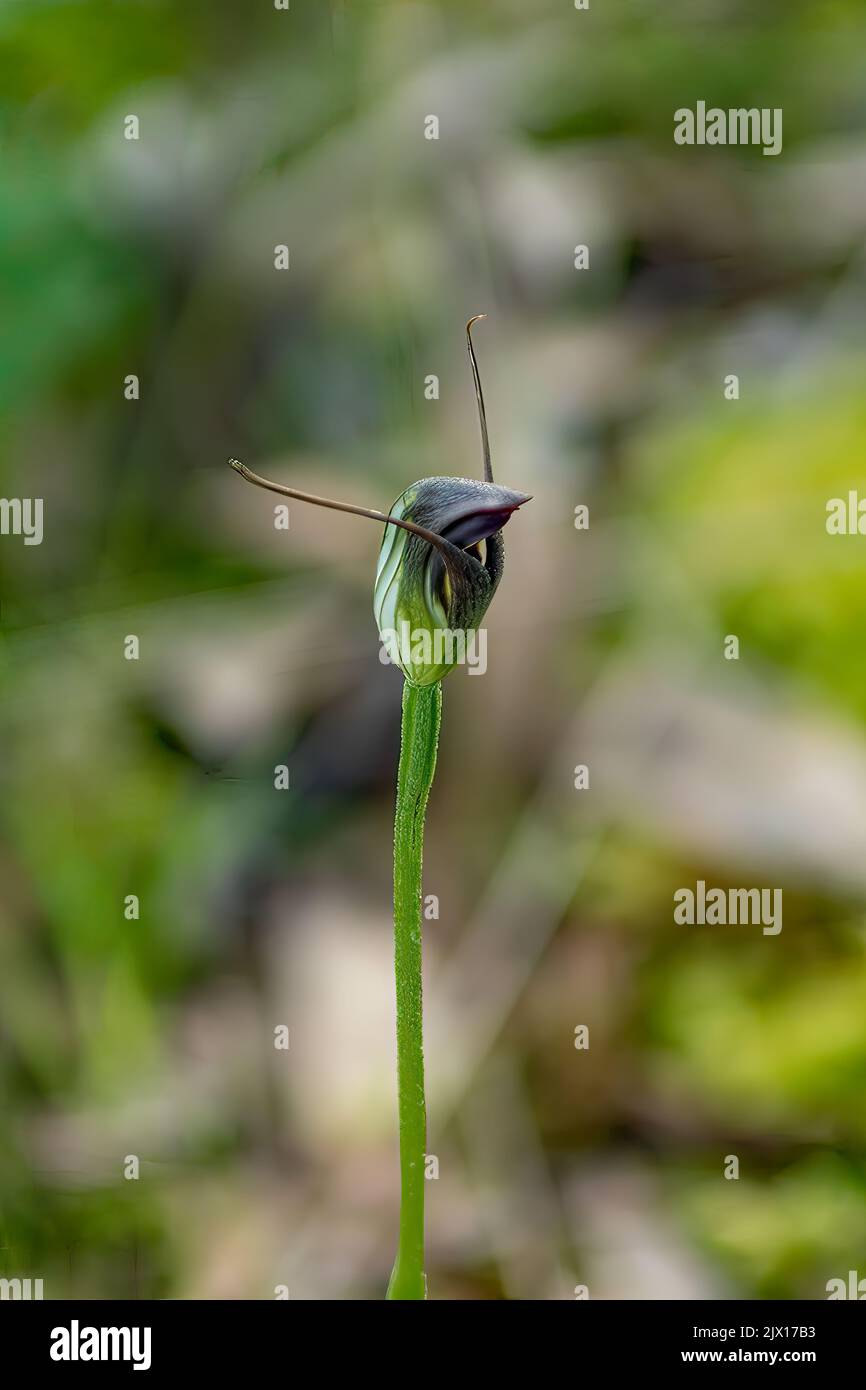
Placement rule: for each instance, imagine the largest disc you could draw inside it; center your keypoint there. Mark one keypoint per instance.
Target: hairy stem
(422, 712)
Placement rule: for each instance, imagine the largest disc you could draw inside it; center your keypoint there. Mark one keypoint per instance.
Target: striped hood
(446, 587)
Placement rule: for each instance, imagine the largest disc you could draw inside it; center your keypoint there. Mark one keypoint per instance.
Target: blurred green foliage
(154, 1036)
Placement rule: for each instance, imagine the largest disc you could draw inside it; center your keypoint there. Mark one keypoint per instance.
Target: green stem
(422, 712)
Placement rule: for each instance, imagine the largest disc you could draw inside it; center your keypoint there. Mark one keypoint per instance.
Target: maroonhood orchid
(439, 566)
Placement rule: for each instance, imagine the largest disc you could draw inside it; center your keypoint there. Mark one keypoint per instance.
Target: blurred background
(605, 387)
